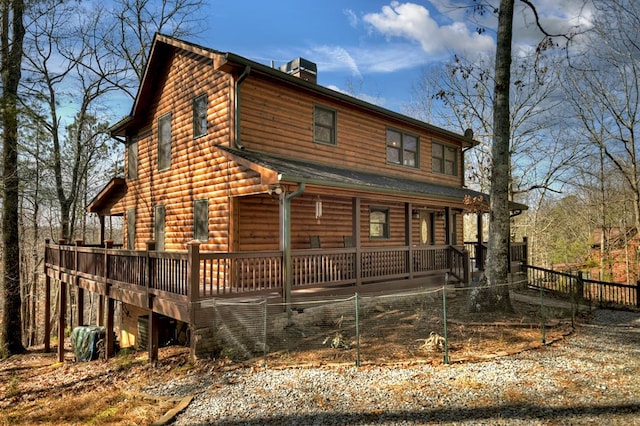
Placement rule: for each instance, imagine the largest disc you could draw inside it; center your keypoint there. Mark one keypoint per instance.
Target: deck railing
(574, 285)
(197, 275)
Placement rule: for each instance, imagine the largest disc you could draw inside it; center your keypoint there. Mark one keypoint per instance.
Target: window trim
(386, 226)
(162, 142)
(132, 166)
(197, 220)
(443, 160)
(333, 130)
(197, 118)
(160, 227)
(401, 149)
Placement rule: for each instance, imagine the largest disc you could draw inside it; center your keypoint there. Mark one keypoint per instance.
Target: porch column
(355, 231)
(408, 230)
(479, 252)
(101, 219)
(286, 242)
(447, 225)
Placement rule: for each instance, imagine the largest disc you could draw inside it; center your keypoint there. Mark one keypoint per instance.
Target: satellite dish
(468, 134)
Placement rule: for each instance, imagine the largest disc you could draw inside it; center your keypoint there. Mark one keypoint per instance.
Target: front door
(426, 228)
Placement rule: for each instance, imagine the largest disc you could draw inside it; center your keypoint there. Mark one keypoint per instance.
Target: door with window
(426, 228)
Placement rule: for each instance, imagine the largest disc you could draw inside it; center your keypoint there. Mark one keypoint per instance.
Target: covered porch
(181, 285)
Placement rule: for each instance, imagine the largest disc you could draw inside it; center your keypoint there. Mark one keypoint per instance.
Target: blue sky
(375, 50)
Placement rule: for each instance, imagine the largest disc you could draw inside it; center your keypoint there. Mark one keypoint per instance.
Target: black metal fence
(574, 285)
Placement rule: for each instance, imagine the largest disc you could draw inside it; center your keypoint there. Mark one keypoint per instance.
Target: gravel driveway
(590, 377)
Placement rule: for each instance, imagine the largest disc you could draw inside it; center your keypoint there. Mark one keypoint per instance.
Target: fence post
(444, 317)
(357, 312)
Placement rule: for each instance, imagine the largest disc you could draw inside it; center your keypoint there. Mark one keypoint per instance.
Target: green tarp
(88, 342)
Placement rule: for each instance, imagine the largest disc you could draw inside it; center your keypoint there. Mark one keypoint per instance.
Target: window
(131, 229)
(199, 116)
(158, 227)
(444, 159)
(378, 223)
(132, 159)
(402, 148)
(324, 125)
(201, 220)
(164, 142)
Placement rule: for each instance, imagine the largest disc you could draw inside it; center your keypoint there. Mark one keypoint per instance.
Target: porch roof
(295, 170)
(107, 197)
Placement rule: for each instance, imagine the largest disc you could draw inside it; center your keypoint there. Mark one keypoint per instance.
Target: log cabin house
(247, 179)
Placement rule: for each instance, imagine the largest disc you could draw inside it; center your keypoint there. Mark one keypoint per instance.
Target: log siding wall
(275, 118)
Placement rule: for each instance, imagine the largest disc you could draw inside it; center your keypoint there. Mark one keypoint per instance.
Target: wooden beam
(47, 313)
(152, 344)
(110, 336)
(62, 310)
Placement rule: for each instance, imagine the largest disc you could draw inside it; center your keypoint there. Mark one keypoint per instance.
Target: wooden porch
(178, 284)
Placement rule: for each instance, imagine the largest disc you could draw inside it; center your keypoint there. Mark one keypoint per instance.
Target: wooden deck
(178, 284)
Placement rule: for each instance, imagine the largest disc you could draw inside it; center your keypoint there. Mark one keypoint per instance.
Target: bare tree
(604, 90)
(11, 51)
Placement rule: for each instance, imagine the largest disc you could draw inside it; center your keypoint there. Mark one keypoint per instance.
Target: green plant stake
(357, 332)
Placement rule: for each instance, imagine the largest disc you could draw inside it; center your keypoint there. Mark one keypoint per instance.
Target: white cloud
(414, 22)
(351, 17)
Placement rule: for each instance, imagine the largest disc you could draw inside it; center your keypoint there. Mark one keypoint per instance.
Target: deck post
(76, 279)
(355, 231)
(47, 301)
(525, 249)
(62, 306)
(193, 271)
(109, 334)
(152, 343)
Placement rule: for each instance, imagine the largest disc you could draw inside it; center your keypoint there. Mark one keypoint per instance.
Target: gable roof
(280, 169)
(164, 45)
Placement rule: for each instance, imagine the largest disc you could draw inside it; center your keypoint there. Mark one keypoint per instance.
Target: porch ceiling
(294, 170)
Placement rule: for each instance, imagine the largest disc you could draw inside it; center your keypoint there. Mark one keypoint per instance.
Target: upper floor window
(324, 125)
(131, 229)
(201, 220)
(200, 116)
(402, 148)
(158, 227)
(164, 142)
(132, 159)
(378, 223)
(444, 159)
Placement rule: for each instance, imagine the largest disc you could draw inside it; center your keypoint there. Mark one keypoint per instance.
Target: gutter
(236, 105)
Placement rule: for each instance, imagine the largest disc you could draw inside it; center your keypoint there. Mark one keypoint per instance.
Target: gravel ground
(590, 377)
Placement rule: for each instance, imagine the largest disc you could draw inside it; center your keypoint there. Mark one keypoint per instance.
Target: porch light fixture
(277, 189)
(415, 213)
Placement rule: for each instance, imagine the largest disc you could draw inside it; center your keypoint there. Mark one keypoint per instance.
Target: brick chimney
(301, 68)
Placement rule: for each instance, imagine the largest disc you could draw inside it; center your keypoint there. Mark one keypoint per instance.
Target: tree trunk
(11, 50)
(494, 294)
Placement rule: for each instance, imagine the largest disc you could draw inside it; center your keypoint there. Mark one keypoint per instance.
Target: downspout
(286, 241)
(236, 107)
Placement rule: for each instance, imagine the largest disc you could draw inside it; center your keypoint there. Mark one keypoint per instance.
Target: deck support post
(193, 289)
(286, 243)
(109, 334)
(408, 230)
(62, 307)
(76, 284)
(152, 343)
(47, 300)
